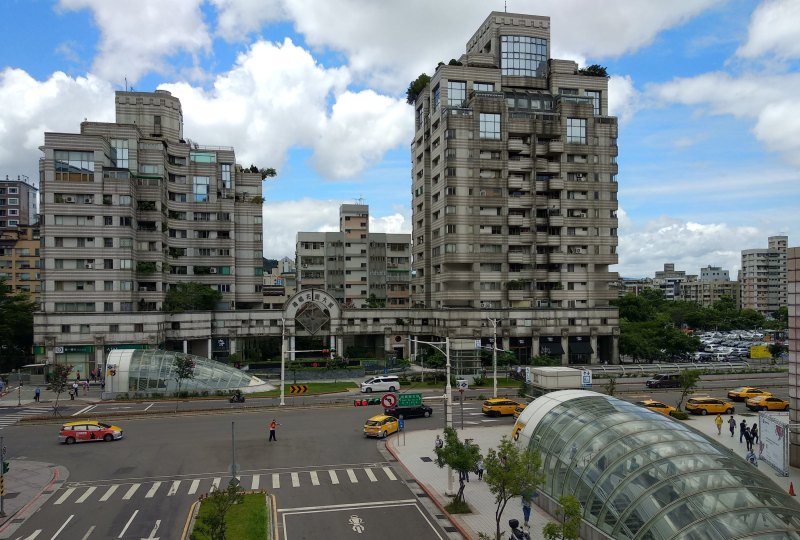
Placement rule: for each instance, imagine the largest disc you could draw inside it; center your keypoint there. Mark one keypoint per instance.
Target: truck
(549, 379)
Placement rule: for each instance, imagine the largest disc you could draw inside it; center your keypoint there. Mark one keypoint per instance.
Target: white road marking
(369, 504)
(389, 473)
(148, 407)
(62, 527)
(84, 410)
(152, 535)
(34, 535)
(88, 533)
(65, 496)
(371, 475)
(153, 490)
(174, 488)
(334, 477)
(352, 476)
(194, 486)
(109, 493)
(276, 481)
(127, 525)
(295, 480)
(256, 480)
(130, 492)
(215, 483)
(85, 495)
(314, 478)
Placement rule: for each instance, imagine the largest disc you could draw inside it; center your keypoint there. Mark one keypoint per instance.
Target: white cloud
(237, 18)
(773, 30)
(623, 98)
(392, 224)
(59, 103)
(137, 37)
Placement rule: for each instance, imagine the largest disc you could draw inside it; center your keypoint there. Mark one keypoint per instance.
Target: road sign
(298, 389)
(461, 384)
(401, 423)
(586, 378)
(389, 400)
(410, 400)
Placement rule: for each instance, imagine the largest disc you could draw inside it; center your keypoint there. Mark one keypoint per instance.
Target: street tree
(59, 379)
(191, 296)
(511, 472)
(374, 302)
(16, 328)
(219, 502)
(460, 456)
(688, 382)
(611, 386)
(182, 369)
(570, 526)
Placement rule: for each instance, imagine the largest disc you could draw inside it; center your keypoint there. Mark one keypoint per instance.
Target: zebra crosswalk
(100, 492)
(12, 418)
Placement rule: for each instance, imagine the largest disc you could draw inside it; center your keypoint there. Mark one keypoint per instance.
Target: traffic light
(368, 401)
(5, 467)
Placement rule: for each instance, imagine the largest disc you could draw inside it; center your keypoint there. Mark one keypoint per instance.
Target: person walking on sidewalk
(718, 422)
(732, 425)
(742, 428)
(754, 432)
(37, 394)
(273, 427)
(479, 468)
(527, 502)
(748, 439)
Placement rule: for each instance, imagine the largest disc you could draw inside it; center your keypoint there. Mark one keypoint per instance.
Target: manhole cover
(426, 459)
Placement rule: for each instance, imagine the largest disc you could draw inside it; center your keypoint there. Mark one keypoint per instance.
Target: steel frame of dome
(641, 475)
(152, 371)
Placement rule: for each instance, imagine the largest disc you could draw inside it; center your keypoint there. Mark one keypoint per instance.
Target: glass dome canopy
(153, 371)
(642, 475)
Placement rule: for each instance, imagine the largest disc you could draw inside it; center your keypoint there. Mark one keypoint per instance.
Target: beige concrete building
(354, 263)
(763, 276)
(280, 284)
(19, 259)
(19, 202)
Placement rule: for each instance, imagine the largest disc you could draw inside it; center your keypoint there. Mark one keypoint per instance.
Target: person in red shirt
(273, 427)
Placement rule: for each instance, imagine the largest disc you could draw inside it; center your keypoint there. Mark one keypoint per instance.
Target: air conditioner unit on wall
(69, 199)
(89, 266)
(212, 270)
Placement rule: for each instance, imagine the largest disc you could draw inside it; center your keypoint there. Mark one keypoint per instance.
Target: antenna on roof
(126, 84)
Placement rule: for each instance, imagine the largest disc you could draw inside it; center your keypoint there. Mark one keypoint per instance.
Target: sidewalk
(28, 486)
(414, 450)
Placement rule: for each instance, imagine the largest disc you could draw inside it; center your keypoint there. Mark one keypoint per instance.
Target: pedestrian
(732, 425)
(78, 376)
(37, 394)
(92, 373)
(463, 476)
(526, 508)
(754, 432)
(71, 393)
(74, 389)
(718, 422)
(742, 428)
(748, 439)
(479, 468)
(751, 458)
(438, 443)
(273, 427)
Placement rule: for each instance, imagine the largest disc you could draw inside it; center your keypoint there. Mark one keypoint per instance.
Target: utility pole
(494, 357)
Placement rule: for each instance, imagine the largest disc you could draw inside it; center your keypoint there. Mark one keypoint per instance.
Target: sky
(705, 90)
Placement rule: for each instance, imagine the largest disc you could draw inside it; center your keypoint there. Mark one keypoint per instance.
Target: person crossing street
(273, 428)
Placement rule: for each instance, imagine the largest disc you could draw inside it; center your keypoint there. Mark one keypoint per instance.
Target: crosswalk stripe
(65, 496)
(295, 480)
(314, 478)
(389, 473)
(334, 477)
(256, 479)
(276, 481)
(215, 483)
(109, 493)
(85, 495)
(174, 488)
(371, 475)
(352, 476)
(153, 490)
(193, 487)
(34, 535)
(130, 492)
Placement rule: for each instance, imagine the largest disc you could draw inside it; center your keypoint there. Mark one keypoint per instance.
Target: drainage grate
(10, 495)
(426, 459)
(440, 516)
(450, 529)
(421, 495)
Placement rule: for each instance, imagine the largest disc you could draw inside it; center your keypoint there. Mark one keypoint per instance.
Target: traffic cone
(791, 489)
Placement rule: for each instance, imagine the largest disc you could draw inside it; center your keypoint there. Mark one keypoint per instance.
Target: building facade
(280, 284)
(354, 264)
(763, 276)
(131, 209)
(793, 300)
(19, 259)
(19, 202)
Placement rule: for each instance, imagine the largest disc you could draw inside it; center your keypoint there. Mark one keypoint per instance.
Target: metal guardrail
(643, 369)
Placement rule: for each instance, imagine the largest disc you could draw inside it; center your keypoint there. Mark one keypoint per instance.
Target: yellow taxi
(88, 431)
(704, 405)
(499, 406)
(745, 392)
(518, 410)
(381, 426)
(657, 406)
(767, 403)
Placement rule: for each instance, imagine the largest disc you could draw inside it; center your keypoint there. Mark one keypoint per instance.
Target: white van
(381, 383)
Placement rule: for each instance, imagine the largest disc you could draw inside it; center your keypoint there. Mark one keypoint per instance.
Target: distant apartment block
(18, 202)
(280, 284)
(793, 301)
(19, 259)
(353, 264)
(763, 276)
(670, 280)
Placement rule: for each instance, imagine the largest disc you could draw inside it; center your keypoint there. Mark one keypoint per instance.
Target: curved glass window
(642, 475)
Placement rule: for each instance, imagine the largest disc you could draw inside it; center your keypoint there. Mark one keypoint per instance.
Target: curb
(431, 495)
(13, 521)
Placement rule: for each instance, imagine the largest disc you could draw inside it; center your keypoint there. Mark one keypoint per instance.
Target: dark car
(671, 380)
(409, 412)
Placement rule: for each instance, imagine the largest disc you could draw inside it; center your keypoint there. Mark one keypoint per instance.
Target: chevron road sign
(298, 389)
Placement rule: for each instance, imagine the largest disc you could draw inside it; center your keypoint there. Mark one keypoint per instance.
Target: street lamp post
(283, 358)
(448, 395)
(494, 356)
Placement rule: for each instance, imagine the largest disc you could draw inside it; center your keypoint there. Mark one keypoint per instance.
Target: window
(125, 264)
(120, 153)
(13, 201)
(65, 329)
(523, 56)
(225, 175)
(108, 306)
(203, 157)
(108, 242)
(72, 166)
(146, 168)
(456, 93)
(108, 285)
(125, 242)
(576, 130)
(200, 188)
(483, 87)
(437, 97)
(490, 126)
(595, 95)
(108, 220)
(138, 327)
(124, 200)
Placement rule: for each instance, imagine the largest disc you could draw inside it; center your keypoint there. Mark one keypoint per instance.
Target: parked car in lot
(667, 380)
(767, 403)
(499, 407)
(87, 431)
(381, 426)
(745, 392)
(409, 412)
(704, 405)
(657, 406)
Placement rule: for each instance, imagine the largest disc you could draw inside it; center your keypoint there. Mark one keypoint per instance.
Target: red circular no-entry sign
(389, 400)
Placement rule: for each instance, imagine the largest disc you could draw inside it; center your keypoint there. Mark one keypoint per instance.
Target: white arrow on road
(153, 532)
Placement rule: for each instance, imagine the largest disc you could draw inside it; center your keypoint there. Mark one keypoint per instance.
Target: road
(142, 486)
